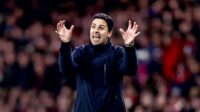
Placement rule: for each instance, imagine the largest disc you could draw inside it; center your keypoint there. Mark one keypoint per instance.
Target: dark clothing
(99, 74)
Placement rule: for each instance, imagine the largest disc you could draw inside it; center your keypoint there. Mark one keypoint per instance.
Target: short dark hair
(105, 17)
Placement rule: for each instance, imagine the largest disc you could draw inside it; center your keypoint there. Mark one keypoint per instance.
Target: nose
(96, 30)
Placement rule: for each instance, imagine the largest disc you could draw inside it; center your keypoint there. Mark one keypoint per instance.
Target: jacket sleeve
(127, 61)
(68, 61)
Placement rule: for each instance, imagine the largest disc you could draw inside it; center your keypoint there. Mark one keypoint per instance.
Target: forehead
(99, 22)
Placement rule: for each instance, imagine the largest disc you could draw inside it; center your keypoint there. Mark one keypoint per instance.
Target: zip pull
(104, 68)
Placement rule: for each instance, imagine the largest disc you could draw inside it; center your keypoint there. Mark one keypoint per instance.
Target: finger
(129, 24)
(137, 33)
(57, 32)
(62, 24)
(58, 25)
(121, 30)
(136, 28)
(134, 25)
(71, 28)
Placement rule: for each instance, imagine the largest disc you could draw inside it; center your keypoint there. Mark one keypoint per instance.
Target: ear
(110, 33)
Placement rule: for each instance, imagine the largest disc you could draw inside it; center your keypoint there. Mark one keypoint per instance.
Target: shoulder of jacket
(80, 48)
(118, 48)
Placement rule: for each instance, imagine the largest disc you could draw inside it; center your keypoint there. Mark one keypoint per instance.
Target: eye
(101, 28)
(93, 26)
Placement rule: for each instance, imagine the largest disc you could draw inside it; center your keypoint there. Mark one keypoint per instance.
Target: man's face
(99, 33)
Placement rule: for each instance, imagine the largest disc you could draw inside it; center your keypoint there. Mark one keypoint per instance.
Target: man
(99, 66)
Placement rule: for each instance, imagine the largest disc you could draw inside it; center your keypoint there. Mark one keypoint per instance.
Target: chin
(95, 43)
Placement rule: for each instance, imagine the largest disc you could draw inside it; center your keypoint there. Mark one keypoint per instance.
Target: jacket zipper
(104, 67)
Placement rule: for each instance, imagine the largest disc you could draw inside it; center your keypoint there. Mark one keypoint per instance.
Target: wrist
(66, 40)
(129, 44)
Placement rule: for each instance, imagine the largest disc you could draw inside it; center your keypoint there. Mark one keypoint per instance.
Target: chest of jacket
(100, 67)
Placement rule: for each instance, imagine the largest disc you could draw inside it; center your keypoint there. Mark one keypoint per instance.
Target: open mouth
(96, 36)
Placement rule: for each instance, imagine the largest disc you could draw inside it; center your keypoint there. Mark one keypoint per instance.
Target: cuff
(129, 48)
(65, 46)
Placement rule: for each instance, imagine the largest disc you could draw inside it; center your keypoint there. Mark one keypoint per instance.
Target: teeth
(96, 37)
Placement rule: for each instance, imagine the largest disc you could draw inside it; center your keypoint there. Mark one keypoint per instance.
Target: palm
(130, 34)
(64, 33)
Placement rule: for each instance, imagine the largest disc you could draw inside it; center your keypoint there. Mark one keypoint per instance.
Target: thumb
(121, 31)
(72, 27)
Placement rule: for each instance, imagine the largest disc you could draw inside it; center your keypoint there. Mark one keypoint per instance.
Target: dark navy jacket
(99, 74)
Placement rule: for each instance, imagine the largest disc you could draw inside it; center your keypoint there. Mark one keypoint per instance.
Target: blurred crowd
(168, 51)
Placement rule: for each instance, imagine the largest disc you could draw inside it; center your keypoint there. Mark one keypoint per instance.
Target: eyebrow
(99, 25)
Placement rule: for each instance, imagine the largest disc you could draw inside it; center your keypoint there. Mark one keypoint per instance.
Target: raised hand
(130, 34)
(63, 33)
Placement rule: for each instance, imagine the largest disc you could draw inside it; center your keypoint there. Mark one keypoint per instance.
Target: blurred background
(168, 51)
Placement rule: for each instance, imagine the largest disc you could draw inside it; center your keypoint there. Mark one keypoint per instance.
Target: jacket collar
(100, 48)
